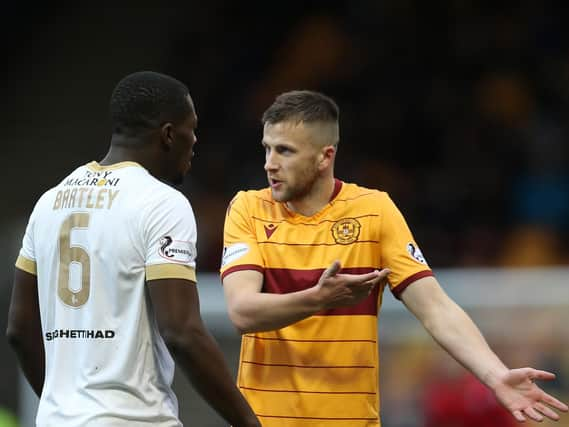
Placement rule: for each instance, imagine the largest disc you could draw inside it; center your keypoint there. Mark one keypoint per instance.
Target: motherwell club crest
(346, 231)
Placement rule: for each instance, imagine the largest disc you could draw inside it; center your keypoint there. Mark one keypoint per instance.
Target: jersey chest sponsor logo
(94, 179)
(346, 231)
(80, 334)
(176, 250)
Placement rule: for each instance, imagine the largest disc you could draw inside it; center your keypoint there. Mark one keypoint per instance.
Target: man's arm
(251, 310)
(177, 311)
(453, 329)
(24, 331)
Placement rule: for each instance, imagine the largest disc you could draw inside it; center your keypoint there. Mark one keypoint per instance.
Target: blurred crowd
(458, 109)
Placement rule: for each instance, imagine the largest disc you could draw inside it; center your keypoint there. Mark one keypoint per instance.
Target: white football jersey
(93, 241)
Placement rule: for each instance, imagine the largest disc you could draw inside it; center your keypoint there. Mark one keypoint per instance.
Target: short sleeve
(26, 260)
(399, 251)
(240, 246)
(170, 239)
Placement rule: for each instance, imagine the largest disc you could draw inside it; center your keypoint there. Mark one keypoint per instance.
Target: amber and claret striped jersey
(322, 371)
(93, 241)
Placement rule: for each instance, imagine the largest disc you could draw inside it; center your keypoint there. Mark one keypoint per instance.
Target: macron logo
(269, 230)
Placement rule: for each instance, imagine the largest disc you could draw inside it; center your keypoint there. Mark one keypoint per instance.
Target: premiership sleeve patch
(233, 253)
(176, 250)
(416, 253)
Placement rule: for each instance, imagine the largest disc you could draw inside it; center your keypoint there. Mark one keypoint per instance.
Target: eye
(282, 149)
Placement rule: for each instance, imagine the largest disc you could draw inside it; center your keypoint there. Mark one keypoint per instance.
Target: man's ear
(327, 156)
(166, 135)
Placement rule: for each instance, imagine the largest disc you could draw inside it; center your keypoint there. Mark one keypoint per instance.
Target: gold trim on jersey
(95, 166)
(170, 271)
(27, 265)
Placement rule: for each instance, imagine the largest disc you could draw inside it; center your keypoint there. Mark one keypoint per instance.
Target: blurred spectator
(530, 246)
(460, 400)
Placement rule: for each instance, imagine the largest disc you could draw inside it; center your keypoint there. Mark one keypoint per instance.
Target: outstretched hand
(517, 391)
(338, 289)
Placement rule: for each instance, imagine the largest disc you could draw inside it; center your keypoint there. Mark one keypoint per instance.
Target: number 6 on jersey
(69, 254)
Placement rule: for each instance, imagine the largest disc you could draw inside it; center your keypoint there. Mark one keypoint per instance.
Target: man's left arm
(455, 331)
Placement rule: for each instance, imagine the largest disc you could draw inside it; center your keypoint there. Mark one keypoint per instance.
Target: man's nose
(270, 163)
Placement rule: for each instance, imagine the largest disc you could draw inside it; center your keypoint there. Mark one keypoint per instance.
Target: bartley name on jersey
(85, 197)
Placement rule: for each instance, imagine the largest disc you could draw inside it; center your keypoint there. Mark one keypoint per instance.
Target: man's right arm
(24, 328)
(176, 307)
(251, 310)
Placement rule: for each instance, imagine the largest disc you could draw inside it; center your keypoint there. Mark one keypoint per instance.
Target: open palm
(517, 391)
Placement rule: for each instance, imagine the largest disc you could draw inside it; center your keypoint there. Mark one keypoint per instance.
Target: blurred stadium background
(459, 109)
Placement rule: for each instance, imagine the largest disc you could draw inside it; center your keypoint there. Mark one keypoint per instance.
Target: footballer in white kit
(93, 241)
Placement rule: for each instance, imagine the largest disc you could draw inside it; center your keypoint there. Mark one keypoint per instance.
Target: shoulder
(148, 200)
(161, 197)
(43, 204)
(165, 191)
(166, 212)
(354, 193)
(250, 200)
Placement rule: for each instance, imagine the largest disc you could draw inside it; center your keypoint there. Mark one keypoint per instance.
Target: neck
(318, 197)
(130, 149)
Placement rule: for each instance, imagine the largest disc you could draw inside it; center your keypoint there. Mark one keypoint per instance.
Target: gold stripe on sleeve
(27, 265)
(170, 271)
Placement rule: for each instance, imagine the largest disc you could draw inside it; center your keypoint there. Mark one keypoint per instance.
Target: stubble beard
(299, 191)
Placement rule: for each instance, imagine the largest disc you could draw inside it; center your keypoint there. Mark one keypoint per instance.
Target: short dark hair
(302, 106)
(145, 100)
